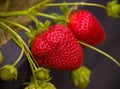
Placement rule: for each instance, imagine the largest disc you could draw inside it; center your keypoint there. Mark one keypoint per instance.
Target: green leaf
(113, 9)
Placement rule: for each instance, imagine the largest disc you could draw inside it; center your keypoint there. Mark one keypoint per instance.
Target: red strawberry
(57, 48)
(86, 27)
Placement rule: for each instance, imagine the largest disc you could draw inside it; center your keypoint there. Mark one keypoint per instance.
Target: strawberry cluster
(58, 47)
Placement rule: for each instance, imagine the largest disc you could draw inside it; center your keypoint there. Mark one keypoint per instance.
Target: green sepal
(8, 73)
(61, 19)
(40, 28)
(113, 9)
(81, 77)
(39, 25)
(46, 25)
(43, 28)
(65, 9)
(31, 33)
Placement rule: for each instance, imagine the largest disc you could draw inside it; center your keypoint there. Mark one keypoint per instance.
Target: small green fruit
(81, 77)
(113, 9)
(47, 85)
(8, 73)
(31, 86)
(42, 74)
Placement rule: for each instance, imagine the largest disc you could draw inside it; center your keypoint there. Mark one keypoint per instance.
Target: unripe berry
(8, 73)
(81, 77)
(42, 74)
(47, 85)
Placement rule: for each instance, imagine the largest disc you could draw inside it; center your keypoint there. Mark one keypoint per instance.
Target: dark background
(105, 74)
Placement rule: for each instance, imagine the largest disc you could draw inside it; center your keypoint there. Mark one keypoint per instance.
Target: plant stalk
(101, 52)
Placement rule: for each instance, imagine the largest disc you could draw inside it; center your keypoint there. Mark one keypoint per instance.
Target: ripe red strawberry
(57, 48)
(86, 27)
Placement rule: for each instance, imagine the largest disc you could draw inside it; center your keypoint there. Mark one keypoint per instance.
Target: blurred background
(105, 74)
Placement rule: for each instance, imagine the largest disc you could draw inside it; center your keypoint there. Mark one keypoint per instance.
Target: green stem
(34, 19)
(40, 4)
(77, 3)
(46, 15)
(32, 11)
(33, 68)
(24, 47)
(14, 13)
(15, 24)
(30, 56)
(19, 42)
(29, 11)
(6, 5)
(101, 52)
(19, 58)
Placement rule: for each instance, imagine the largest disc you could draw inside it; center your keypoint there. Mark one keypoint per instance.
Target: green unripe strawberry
(47, 85)
(8, 73)
(31, 86)
(42, 74)
(81, 77)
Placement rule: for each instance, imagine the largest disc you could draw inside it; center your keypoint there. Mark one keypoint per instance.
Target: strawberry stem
(19, 58)
(101, 52)
(37, 6)
(20, 43)
(77, 3)
(18, 40)
(6, 5)
(14, 13)
(47, 15)
(15, 24)
(29, 11)
(32, 10)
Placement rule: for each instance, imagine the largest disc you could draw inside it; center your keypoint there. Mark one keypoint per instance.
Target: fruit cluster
(58, 47)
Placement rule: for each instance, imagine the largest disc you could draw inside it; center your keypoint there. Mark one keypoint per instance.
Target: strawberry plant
(59, 46)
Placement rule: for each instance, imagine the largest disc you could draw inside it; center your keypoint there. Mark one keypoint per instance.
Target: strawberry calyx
(62, 19)
(40, 28)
